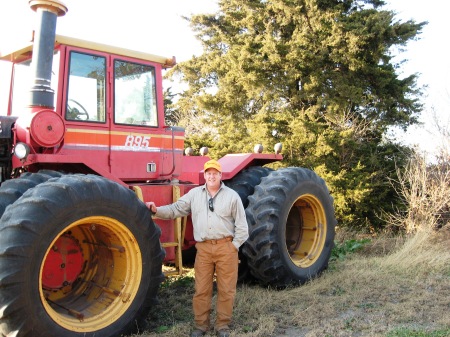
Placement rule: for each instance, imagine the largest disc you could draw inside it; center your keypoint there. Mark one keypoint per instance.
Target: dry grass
(390, 285)
(395, 286)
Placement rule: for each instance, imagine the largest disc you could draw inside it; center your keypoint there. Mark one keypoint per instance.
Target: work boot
(197, 333)
(223, 333)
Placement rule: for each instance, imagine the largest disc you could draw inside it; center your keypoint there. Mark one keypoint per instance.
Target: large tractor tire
(244, 184)
(292, 225)
(79, 256)
(12, 189)
(245, 181)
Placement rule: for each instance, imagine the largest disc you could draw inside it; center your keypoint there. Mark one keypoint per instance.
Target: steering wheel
(75, 113)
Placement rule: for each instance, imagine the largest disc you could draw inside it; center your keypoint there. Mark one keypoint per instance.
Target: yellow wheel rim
(306, 229)
(107, 283)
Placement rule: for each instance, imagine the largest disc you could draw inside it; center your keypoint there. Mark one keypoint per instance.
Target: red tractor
(80, 254)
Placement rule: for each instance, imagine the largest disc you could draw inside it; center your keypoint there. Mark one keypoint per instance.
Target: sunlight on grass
(402, 291)
(404, 332)
(392, 284)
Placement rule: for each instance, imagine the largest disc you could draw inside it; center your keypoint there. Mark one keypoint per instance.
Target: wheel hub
(63, 263)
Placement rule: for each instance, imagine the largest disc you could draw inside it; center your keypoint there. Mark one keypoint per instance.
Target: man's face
(212, 177)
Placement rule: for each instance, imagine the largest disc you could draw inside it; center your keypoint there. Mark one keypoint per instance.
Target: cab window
(134, 94)
(86, 96)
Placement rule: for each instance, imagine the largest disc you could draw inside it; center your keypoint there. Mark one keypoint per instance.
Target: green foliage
(162, 329)
(179, 281)
(169, 108)
(316, 75)
(341, 250)
(407, 332)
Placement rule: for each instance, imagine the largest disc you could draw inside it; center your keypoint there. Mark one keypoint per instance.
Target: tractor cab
(107, 114)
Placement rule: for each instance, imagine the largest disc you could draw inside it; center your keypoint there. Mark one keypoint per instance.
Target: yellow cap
(212, 164)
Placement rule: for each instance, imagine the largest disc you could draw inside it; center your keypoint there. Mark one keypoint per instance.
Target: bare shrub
(425, 189)
(441, 123)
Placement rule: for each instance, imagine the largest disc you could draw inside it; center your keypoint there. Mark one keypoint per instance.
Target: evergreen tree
(316, 75)
(170, 112)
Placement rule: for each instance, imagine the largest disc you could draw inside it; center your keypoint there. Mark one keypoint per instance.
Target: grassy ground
(391, 287)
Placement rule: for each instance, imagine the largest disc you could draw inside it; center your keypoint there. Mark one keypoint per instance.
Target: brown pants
(223, 259)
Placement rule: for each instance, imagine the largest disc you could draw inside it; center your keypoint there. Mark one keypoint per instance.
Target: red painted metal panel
(232, 164)
(192, 170)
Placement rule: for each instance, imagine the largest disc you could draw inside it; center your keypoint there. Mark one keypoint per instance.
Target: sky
(157, 27)
(428, 57)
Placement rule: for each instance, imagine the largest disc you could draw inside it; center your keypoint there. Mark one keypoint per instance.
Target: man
(220, 228)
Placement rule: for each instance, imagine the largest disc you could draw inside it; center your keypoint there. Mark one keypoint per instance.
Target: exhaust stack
(41, 93)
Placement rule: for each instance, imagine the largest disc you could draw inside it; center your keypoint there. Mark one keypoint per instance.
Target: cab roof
(24, 52)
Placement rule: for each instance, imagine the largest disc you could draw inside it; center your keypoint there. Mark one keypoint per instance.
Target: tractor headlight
(21, 150)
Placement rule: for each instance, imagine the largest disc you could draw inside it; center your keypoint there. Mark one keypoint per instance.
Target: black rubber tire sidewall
(93, 196)
(304, 274)
(13, 189)
(267, 213)
(244, 184)
(245, 181)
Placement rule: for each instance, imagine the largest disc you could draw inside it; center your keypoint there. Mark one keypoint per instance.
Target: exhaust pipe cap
(54, 6)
